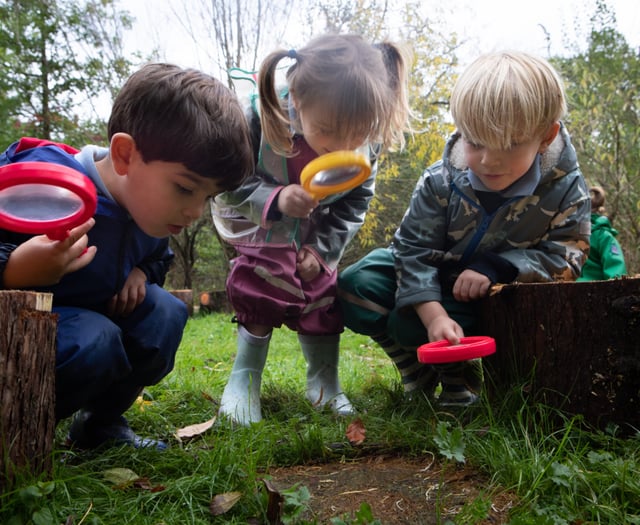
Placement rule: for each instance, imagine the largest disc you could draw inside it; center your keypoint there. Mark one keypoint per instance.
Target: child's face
(319, 136)
(164, 197)
(497, 168)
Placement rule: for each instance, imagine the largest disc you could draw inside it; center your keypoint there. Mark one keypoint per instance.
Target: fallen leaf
(275, 501)
(120, 477)
(195, 430)
(221, 503)
(356, 432)
(145, 484)
(141, 403)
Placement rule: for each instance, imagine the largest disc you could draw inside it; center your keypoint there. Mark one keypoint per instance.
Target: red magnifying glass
(44, 198)
(335, 172)
(468, 348)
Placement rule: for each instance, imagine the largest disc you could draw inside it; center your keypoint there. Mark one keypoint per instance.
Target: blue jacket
(121, 244)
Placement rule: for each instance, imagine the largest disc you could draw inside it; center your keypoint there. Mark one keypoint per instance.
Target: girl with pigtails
(342, 93)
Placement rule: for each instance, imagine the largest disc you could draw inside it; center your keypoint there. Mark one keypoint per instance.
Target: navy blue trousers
(103, 363)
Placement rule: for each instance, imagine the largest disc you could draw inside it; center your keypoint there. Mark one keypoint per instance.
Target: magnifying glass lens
(39, 202)
(334, 176)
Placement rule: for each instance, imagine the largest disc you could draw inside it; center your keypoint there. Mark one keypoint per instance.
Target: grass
(561, 473)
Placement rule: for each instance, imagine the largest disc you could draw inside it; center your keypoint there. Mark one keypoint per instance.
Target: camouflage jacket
(541, 237)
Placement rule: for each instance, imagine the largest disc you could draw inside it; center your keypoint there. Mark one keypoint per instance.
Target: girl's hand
(294, 201)
(470, 285)
(41, 261)
(132, 294)
(307, 265)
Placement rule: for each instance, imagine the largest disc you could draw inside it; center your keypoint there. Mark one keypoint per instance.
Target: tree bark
(27, 384)
(186, 296)
(214, 301)
(575, 346)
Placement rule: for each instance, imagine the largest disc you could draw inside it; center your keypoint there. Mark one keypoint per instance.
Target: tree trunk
(27, 384)
(576, 344)
(186, 296)
(214, 301)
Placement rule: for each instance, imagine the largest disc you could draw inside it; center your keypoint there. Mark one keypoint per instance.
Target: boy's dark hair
(185, 116)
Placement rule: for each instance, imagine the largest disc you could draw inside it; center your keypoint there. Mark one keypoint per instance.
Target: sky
(484, 25)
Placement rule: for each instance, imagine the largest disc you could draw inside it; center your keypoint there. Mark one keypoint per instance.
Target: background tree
(603, 88)
(238, 39)
(58, 57)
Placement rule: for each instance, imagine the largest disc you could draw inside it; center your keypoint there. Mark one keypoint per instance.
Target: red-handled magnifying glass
(44, 198)
(468, 348)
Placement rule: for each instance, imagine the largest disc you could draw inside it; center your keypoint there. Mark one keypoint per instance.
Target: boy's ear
(122, 150)
(549, 137)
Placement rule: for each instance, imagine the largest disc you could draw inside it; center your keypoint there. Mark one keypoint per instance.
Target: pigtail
(397, 61)
(276, 126)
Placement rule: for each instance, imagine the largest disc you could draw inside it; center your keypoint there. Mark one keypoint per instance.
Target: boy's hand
(438, 323)
(41, 261)
(132, 294)
(470, 285)
(443, 327)
(294, 201)
(307, 265)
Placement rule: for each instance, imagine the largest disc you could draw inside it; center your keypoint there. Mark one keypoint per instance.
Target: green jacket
(606, 260)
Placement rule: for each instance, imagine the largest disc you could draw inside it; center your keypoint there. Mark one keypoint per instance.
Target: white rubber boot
(241, 397)
(323, 386)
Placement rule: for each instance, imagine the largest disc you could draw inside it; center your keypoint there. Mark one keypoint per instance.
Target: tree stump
(214, 301)
(576, 343)
(186, 296)
(27, 384)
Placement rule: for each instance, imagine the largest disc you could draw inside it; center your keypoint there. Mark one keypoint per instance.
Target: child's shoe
(456, 396)
(461, 383)
(87, 433)
(323, 385)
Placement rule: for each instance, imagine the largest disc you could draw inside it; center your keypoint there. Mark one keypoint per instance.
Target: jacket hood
(602, 222)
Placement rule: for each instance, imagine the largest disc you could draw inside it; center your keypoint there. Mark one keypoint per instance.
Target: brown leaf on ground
(356, 432)
(221, 503)
(195, 430)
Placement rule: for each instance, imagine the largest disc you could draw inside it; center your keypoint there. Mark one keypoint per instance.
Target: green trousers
(367, 291)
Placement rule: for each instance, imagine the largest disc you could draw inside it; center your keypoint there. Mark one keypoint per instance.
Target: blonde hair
(506, 97)
(363, 89)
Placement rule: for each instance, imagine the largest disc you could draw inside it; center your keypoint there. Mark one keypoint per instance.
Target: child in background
(177, 137)
(343, 94)
(606, 260)
(506, 203)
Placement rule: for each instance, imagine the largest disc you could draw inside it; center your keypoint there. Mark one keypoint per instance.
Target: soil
(398, 490)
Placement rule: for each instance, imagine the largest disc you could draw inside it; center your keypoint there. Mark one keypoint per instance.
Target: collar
(524, 186)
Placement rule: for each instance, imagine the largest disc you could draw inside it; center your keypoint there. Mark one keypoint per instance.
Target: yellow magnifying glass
(335, 172)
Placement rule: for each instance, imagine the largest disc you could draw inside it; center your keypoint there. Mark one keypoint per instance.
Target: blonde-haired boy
(506, 203)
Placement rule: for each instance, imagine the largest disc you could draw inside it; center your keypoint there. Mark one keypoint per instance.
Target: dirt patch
(399, 491)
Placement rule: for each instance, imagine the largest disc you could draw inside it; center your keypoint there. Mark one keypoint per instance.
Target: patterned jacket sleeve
(335, 224)
(419, 241)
